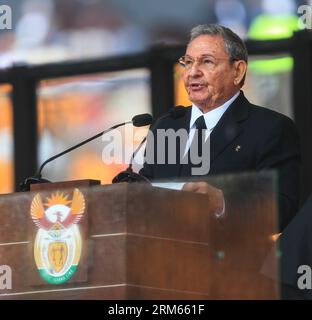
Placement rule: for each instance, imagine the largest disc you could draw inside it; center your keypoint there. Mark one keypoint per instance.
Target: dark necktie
(200, 125)
(195, 147)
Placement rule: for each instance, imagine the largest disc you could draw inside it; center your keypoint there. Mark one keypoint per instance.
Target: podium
(144, 242)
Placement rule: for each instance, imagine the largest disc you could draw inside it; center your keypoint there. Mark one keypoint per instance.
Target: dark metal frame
(160, 61)
(302, 103)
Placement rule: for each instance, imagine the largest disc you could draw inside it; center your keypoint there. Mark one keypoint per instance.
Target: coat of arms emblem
(58, 243)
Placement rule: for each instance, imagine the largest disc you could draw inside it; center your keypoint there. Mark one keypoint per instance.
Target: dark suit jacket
(267, 140)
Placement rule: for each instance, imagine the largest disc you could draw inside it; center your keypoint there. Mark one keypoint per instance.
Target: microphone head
(129, 176)
(177, 112)
(142, 120)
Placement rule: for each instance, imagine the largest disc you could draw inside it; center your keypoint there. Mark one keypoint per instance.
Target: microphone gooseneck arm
(38, 174)
(135, 153)
(128, 175)
(138, 121)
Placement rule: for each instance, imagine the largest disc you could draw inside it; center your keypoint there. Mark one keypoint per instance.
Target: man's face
(211, 79)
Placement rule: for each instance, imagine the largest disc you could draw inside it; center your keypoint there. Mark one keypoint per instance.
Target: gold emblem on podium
(58, 244)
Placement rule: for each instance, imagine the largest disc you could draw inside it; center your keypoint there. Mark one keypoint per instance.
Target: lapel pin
(238, 147)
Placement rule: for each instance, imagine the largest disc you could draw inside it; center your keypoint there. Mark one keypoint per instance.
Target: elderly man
(242, 136)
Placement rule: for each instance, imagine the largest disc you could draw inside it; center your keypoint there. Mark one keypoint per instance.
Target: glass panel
(241, 238)
(269, 82)
(74, 109)
(6, 139)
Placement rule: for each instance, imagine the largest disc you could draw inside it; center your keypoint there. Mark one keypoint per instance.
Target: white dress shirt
(211, 119)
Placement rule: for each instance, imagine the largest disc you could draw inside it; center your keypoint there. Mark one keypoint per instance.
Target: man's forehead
(206, 44)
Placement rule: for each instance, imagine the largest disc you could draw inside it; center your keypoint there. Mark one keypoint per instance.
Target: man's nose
(195, 70)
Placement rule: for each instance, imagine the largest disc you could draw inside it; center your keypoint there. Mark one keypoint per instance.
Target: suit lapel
(183, 122)
(229, 127)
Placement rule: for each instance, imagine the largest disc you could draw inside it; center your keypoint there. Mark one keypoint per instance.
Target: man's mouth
(196, 86)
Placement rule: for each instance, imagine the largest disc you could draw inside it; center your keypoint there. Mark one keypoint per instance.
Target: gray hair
(234, 45)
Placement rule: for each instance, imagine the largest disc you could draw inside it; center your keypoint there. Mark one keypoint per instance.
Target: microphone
(175, 113)
(129, 175)
(139, 120)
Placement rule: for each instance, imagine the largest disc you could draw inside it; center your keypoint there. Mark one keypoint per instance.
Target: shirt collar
(211, 117)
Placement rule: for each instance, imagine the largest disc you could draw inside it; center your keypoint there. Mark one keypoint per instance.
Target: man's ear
(240, 68)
